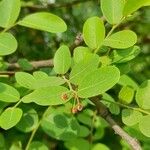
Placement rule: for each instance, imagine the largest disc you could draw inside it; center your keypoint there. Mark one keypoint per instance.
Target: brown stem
(103, 112)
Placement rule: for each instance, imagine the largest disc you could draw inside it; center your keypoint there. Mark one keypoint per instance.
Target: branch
(103, 112)
(55, 5)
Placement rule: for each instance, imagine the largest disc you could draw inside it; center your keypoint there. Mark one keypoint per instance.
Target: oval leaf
(131, 117)
(133, 5)
(9, 12)
(36, 145)
(80, 70)
(112, 10)
(122, 39)
(60, 126)
(8, 94)
(44, 21)
(29, 120)
(48, 96)
(5, 48)
(25, 79)
(10, 117)
(98, 81)
(143, 95)
(144, 125)
(62, 60)
(94, 32)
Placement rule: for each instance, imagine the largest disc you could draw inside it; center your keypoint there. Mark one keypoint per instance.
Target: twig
(103, 112)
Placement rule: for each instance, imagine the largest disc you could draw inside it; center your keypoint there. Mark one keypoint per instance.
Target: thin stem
(129, 107)
(68, 82)
(35, 129)
(6, 29)
(17, 104)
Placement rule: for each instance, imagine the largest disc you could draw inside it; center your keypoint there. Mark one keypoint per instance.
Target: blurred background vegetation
(37, 45)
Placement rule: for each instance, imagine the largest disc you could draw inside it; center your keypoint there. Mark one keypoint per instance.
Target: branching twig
(103, 112)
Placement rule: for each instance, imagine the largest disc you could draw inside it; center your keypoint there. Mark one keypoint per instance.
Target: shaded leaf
(36, 145)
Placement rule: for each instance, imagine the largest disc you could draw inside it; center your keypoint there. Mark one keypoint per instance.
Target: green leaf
(80, 53)
(25, 64)
(77, 144)
(48, 96)
(113, 108)
(8, 94)
(25, 79)
(125, 55)
(98, 81)
(38, 75)
(2, 143)
(127, 81)
(29, 120)
(133, 5)
(38, 80)
(131, 117)
(79, 70)
(36, 145)
(121, 40)
(62, 60)
(83, 131)
(100, 146)
(44, 21)
(126, 95)
(143, 95)
(49, 81)
(94, 32)
(112, 10)
(5, 48)
(144, 125)
(10, 117)
(60, 126)
(9, 12)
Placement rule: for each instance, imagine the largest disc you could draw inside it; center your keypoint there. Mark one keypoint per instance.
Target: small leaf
(25, 79)
(77, 144)
(29, 120)
(48, 96)
(25, 64)
(112, 10)
(126, 95)
(79, 70)
(133, 5)
(79, 53)
(100, 146)
(60, 126)
(10, 117)
(144, 125)
(5, 48)
(121, 40)
(44, 21)
(125, 55)
(62, 60)
(143, 95)
(94, 32)
(131, 117)
(127, 81)
(98, 81)
(36, 145)
(8, 94)
(9, 12)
